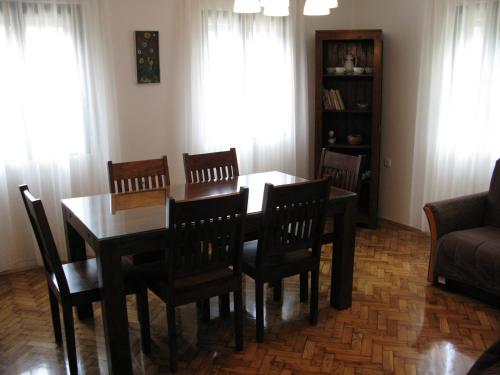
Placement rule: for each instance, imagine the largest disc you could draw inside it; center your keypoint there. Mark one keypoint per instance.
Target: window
(458, 116)
(247, 89)
(42, 95)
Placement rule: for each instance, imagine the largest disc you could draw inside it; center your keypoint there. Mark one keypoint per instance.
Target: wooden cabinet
(349, 104)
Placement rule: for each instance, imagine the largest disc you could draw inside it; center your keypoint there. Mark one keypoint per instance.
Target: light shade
(332, 3)
(277, 8)
(316, 8)
(246, 6)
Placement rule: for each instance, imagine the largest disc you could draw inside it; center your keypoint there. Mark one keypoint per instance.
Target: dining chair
(344, 172)
(74, 284)
(138, 175)
(211, 166)
(135, 176)
(203, 259)
(289, 241)
(343, 169)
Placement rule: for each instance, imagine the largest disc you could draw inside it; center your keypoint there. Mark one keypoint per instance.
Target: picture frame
(147, 56)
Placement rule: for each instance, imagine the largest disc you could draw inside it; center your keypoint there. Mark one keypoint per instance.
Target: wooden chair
(344, 172)
(203, 258)
(289, 242)
(210, 167)
(138, 175)
(73, 284)
(207, 167)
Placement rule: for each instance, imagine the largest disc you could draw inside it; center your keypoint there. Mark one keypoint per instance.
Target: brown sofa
(465, 241)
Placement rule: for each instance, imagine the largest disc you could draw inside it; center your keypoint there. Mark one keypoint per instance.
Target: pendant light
(246, 6)
(280, 8)
(275, 8)
(316, 8)
(332, 3)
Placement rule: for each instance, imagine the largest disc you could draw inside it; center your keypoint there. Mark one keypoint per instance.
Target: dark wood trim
(432, 256)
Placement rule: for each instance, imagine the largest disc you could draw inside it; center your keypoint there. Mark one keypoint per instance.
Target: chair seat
(299, 257)
(471, 256)
(153, 275)
(83, 281)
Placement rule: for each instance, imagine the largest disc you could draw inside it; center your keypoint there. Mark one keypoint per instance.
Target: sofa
(465, 242)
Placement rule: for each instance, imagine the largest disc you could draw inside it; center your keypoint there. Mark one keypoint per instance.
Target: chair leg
(143, 315)
(69, 332)
(304, 285)
(172, 340)
(277, 290)
(56, 320)
(313, 314)
(259, 310)
(205, 310)
(224, 305)
(238, 319)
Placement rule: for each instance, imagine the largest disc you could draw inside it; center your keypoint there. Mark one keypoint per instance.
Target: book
(339, 99)
(335, 100)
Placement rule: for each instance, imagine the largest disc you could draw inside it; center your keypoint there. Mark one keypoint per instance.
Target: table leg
(114, 311)
(343, 256)
(75, 246)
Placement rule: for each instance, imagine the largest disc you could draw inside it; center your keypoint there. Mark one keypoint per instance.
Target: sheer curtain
(458, 115)
(56, 114)
(244, 80)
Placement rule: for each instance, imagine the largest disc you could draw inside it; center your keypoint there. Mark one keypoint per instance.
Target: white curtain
(458, 117)
(244, 78)
(56, 114)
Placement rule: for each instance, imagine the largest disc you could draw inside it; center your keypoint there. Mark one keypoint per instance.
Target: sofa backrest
(493, 201)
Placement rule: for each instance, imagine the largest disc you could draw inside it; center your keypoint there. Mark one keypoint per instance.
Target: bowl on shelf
(339, 70)
(358, 70)
(330, 70)
(363, 106)
(354, 139)
(368, 70)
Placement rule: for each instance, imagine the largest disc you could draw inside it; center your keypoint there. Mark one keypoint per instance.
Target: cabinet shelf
(332, 47)
(348, 76)
(348, 146)
(360, 111)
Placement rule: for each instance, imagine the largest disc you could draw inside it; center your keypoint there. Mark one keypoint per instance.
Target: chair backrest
(138, 175)
(206, 234)
(44, 238)
(211, 167)
(293, 218)
(343, 170)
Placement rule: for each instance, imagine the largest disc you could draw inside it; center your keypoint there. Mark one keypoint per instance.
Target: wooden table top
(109, 216)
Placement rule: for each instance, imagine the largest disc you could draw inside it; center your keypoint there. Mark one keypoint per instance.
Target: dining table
(121, 224)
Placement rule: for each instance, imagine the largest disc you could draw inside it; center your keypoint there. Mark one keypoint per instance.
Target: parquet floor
(397, 324)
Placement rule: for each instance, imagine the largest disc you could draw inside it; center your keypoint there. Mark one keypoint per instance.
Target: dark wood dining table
(115, 225)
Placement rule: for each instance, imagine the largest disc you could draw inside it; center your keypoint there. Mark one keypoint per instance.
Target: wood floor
(398, 324)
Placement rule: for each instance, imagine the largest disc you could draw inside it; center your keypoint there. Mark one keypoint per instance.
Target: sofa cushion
(493, 201)
(471, 256)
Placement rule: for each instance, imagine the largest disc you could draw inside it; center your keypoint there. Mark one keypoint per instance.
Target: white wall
(148, 116)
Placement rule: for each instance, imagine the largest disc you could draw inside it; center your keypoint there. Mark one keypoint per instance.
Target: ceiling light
(246, 6)
(276, 8)
(332, 3)
(316, 8)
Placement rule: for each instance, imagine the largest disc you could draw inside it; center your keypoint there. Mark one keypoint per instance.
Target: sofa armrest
(451, 215)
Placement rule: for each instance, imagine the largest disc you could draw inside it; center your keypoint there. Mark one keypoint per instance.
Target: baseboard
(402, 226)
(20, 269)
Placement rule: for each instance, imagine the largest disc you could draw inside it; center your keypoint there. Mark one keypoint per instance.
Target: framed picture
(147, 56)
